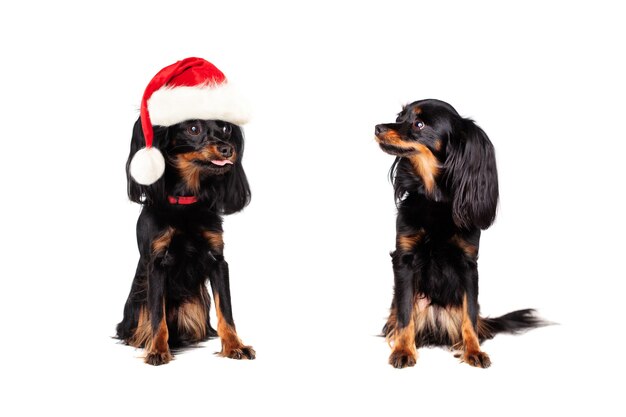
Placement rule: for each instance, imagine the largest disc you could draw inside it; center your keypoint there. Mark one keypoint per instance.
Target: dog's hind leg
(127, 329)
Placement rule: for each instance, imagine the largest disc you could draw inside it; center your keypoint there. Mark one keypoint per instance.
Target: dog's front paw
(478, 359)
(241, 352)
(158, 358)
(402, 359)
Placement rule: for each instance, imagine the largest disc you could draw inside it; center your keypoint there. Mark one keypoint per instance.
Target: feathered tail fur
(514, 322)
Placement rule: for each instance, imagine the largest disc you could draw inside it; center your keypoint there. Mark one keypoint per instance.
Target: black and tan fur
(181, 245)
(446, 189)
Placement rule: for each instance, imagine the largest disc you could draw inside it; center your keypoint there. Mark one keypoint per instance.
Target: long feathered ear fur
(145, 194)
(236, 190)
(472, 176)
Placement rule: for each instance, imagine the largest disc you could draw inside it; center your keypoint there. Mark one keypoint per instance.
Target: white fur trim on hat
(170, 105)
(147, 166)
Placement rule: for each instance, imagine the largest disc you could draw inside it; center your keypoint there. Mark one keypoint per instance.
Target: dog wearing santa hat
(185, 169)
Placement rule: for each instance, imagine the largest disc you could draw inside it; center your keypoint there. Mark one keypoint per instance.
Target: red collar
(182, 200)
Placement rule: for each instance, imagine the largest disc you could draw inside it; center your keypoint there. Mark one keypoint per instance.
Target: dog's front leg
(232, 346)
(471, 344)
(402, 318)
(158, 352)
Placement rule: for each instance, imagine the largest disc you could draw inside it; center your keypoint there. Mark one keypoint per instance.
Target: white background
(310, 271)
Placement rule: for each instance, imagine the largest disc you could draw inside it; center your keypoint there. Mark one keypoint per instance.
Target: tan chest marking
(215, 239)
(407, 243)
(161, 243)
(426, 165)
(469, 249)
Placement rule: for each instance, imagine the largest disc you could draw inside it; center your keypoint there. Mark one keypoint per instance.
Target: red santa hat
(189, 89)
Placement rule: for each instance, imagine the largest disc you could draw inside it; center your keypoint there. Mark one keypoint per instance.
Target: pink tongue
(222, 162)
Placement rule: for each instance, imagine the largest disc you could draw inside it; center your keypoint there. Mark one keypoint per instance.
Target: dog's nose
(225, 150)
(379, 129)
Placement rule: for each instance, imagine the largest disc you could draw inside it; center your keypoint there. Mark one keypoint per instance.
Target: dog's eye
(419, 124)
(226, 130)
(193, 130)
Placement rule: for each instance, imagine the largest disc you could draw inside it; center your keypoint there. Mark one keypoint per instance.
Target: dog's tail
(515, 322)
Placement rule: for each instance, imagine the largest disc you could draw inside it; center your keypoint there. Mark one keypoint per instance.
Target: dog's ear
(145, 194)
(471, 174)
(236, 192)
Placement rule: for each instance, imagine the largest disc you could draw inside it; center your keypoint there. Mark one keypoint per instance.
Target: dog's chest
(188, 245)
(442, 267)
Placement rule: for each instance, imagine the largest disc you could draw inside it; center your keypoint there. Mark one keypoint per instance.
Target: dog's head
(451, 155)
(203, 158)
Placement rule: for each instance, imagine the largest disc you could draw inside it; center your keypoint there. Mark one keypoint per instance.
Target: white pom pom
(147, 166)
